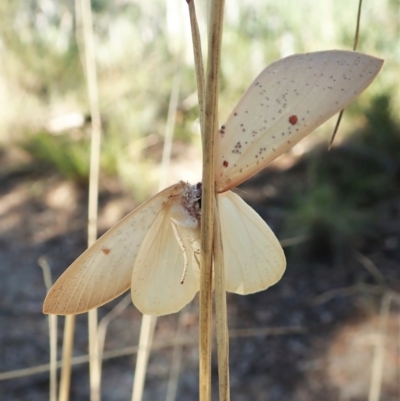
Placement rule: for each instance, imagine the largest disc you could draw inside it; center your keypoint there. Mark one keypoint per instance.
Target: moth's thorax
(186, 211)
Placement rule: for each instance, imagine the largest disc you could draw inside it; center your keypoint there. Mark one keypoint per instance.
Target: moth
(155, 249)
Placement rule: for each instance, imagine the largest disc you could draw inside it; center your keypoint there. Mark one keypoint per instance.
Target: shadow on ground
(341, 212)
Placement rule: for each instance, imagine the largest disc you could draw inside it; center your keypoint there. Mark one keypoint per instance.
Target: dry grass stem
(170, 127)
(208, 195)
(346, 291)
(95, 360)
(68, 346)
(271, 331)
(354, 289)
(106, 320)
(221, 313)
(371, 268)
(285, 243)
(176, 362)
(146, 339)
(91, 81)
(379, 353)
(198, 60)
(52, 331)
(355, 43)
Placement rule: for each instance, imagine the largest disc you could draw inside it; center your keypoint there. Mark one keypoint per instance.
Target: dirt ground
(316, 335)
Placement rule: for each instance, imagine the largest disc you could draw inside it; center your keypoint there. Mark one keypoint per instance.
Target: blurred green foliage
(59, 153)
(339, 202)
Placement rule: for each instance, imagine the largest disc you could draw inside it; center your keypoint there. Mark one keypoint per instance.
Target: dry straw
(208, 197)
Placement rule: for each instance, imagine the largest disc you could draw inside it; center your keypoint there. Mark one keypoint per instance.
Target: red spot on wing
(225, 163)
(293, 119)
(106, 251)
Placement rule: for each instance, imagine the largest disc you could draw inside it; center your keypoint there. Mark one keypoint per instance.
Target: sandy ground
(331, 328)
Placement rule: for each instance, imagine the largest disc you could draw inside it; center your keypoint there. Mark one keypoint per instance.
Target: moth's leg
(184, 251)
(196, 253)
(194, 241)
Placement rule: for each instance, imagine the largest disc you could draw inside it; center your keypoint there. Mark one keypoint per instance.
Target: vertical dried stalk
(68, 345)
(146, 338)
(378, 361)
(208, 195)
(52, 331)
(355, 43)
(221, 313)
(69, 325)
(198, 60)
(176, 361)
(53, 359)
(91, 79)
(170, 127)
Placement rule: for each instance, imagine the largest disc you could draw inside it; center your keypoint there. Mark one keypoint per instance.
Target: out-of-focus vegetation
(140, 47)
(347, 195)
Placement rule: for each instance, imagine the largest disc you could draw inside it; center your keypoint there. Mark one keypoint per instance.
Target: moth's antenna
(355, 43)
(183, 249)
